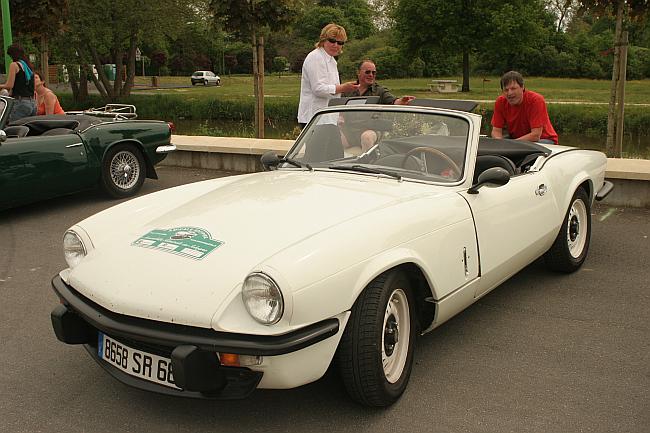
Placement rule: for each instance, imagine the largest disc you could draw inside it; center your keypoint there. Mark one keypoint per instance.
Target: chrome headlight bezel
(263, 298)
(74, 249)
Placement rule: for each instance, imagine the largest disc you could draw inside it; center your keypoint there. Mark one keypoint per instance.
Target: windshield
(419, 145)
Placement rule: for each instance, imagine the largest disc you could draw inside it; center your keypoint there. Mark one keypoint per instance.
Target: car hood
(246, 219)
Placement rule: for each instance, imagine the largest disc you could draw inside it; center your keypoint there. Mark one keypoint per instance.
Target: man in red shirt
(522, 111)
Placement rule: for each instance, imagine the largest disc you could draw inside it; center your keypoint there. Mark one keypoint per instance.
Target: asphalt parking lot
(541, 353)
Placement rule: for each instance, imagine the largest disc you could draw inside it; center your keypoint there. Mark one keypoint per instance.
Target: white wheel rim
(396, 333)
(577, 228)
(125, 169)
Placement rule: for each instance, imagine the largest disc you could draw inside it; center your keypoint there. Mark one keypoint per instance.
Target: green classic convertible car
(43, 157)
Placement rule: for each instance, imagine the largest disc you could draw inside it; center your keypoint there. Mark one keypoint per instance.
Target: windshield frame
(473, 123)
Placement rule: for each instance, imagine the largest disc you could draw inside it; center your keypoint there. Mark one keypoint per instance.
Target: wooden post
(260, 87)
(255, 80)
(620, 96)
(611, 112)
(45, 69)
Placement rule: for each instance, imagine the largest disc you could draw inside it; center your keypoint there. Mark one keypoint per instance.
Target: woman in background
(20, 83)
(46, 100)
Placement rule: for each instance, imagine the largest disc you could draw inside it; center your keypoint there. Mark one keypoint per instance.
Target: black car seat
(58, 131)
(323, 144)
(16, 131)
(483, 162)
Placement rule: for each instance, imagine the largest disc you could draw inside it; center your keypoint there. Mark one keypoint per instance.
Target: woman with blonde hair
(320, 76)
(46, 100)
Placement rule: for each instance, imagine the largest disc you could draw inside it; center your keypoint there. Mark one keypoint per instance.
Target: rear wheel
(123, 171)
(205, 82)
(375, 355)
(570, 248)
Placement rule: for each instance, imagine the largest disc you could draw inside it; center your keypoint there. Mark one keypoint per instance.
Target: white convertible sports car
(380, 223)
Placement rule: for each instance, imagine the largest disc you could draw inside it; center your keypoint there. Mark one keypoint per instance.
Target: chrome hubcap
(125, 170)
(395, 336)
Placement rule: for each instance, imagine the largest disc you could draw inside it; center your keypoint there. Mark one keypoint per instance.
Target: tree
(40, 19)
(635, 9)
(468, 26)
(280, 64)
(251, 19)
(563, 10)
(103, 32)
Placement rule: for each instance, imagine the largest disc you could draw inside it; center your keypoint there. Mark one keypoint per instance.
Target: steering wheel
(440, 155)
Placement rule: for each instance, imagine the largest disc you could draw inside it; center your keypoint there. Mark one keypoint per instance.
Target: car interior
(49, 125)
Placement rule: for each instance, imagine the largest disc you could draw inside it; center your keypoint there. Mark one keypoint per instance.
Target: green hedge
(178, 107)
(589, 120)
(566, 118)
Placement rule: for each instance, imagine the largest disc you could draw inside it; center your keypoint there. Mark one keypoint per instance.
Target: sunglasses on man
(334, 41)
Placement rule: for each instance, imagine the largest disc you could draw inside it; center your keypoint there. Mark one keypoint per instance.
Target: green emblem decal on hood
(191, 242)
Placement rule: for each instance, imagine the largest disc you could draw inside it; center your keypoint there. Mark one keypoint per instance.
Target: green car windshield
(404, 144)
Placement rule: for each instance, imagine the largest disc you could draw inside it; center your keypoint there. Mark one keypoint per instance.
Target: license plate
(137, 363)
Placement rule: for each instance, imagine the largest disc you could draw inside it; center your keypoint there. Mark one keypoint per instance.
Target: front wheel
(375, 355)
(218, 82)
(123, 171)
(570, 248)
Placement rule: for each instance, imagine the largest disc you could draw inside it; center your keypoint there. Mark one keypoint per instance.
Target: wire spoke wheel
(125, 170)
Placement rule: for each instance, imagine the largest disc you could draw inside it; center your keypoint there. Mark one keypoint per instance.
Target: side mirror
(492, 176)
(3, 136)
(270, 160)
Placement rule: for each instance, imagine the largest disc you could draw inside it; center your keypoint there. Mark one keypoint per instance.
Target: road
(541, 353)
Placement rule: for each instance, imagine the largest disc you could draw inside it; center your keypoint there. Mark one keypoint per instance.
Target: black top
(22, 87)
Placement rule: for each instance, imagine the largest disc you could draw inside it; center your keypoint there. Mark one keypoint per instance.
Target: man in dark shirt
(366, 76)
(368, 86)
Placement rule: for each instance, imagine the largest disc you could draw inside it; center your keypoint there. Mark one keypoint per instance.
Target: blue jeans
(22, 108)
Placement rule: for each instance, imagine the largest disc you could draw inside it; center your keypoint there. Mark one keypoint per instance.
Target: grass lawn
(553, 89)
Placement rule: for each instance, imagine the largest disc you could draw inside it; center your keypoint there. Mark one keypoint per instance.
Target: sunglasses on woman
(334, 41)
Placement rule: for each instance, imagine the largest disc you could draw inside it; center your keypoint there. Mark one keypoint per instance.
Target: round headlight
(262, 298)
(73, 248)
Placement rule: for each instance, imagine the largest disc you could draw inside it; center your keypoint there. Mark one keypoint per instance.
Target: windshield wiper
(366, 169)
(297, 163)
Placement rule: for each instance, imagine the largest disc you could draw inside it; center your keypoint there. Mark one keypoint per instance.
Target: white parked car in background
(216, 288)
(205, 78)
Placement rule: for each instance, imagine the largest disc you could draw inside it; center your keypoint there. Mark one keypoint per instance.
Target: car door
(35, 168)
(514, 224)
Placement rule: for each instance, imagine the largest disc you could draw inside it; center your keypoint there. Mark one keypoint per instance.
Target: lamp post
(6, 32)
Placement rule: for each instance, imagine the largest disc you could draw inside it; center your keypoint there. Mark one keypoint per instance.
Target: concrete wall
(631, 177)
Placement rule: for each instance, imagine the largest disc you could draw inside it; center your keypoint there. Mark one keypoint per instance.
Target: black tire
(369, 339)
(193, 83)
(570, 248)
(218, 82)
(123, 170)
(205, 82)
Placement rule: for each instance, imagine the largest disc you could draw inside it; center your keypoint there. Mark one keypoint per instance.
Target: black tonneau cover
(40, 124)
(513, 149)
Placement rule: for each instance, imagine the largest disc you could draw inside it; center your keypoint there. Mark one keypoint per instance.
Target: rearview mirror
(492, 176)
(270, 160)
